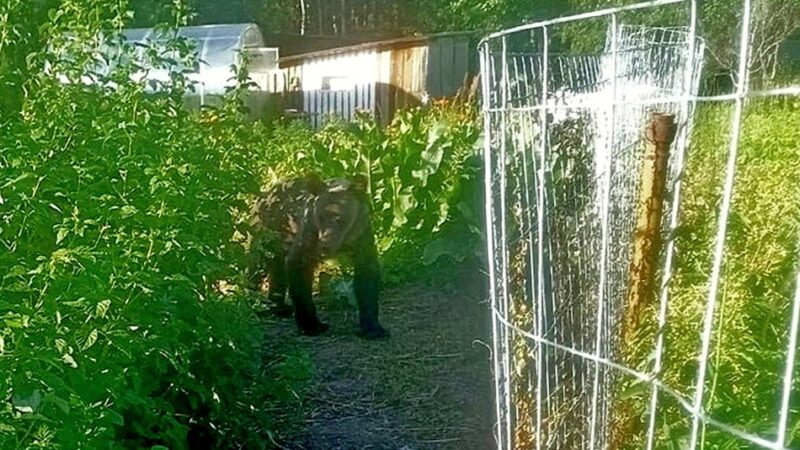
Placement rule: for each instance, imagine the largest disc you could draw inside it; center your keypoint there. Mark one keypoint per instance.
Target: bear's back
(280, 209)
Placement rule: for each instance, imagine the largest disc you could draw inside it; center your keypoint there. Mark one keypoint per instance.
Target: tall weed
(118, 211)
(751, 320)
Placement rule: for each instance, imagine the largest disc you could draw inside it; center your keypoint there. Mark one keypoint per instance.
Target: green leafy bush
(121, 220)
(118, 211)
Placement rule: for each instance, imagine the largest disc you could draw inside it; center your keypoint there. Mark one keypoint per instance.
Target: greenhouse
(218, 48)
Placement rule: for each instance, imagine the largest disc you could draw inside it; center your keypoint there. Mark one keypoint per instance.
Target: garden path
(426, 387)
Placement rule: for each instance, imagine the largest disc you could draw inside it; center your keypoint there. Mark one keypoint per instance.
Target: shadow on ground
(427, 387)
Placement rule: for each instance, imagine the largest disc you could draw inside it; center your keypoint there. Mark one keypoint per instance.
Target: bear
(296, 224)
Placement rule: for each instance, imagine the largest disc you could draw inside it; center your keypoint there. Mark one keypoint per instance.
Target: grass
(751, 320)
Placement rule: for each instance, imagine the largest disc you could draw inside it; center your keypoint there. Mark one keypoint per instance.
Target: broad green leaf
(90, 340)
(60, 403)
(61, 234)
(102, 308)
(26, 402)
(437, 130)
(69, 360)
(115, 418)
(14, 320)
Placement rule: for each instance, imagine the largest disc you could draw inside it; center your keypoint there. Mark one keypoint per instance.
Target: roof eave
(289, 61)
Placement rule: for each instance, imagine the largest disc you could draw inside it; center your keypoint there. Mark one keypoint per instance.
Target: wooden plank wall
(448, 65)
(321, 105)
(407, 78)
(403, 76)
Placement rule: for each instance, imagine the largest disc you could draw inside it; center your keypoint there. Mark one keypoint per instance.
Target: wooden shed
(378, 77)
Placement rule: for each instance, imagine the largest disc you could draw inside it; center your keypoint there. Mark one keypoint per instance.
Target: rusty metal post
(659, 135)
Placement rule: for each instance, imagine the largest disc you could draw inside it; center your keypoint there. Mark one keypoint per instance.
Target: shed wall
(380, 81)
(407, 82)
(337, 85)
(448, 65)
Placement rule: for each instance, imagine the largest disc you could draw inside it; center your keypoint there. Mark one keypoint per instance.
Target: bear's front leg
(301, 274)
(277, 287)
(367, 286)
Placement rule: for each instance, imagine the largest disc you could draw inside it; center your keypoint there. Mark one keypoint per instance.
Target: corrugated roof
(199, 32)
(377, 45)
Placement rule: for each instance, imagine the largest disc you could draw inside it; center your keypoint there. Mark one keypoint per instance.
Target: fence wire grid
(563, 148)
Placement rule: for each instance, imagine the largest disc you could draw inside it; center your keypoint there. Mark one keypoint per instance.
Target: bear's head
(341, 214)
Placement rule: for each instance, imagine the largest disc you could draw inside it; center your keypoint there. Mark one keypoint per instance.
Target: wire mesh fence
(564, 152)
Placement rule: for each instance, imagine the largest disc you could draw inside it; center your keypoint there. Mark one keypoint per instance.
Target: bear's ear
(358, 183)
(314, 183)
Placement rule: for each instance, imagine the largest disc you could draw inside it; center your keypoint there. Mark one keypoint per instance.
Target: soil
(428, 386)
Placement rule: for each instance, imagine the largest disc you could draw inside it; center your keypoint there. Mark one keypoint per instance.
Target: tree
(20, 24)
(773, 22)
(447, 15)
(147, 13)
(719, 24)
(271, 15)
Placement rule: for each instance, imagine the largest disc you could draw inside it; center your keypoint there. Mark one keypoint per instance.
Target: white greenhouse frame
(219, 46)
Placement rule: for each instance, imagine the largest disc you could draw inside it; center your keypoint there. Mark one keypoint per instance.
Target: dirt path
(426, 387)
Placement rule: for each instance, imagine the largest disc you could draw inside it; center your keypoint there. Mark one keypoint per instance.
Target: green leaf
(59, 402)
(16, 271)
(61, 234)
(26, 402)
(69, 360)
(15, 180)
(102, 308)
(128, 210)
(437, 131)
(14, 320)
(635, 389)
(115, 418)
(90, 340)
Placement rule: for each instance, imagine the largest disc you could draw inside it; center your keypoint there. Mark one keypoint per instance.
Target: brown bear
(298, 222)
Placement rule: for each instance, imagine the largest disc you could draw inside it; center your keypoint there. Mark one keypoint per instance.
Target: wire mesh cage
(564, 147)
(568, 143)
(585, 159)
